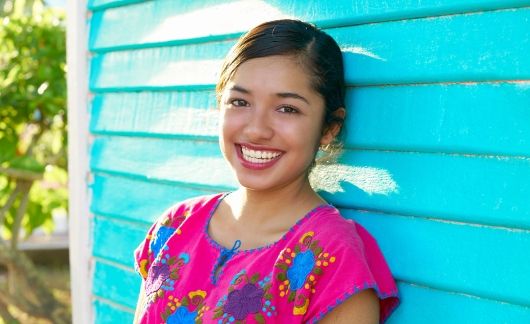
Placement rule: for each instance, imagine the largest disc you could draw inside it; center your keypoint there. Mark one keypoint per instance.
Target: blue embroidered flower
(182, 316)
(161, 238)
(302, 265)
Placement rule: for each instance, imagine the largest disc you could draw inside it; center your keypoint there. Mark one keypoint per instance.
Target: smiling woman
(273, 250)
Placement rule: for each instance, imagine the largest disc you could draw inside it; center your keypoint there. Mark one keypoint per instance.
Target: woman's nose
(258, 126)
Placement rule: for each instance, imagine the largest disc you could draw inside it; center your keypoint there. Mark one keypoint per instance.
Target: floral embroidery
(242, 302)
(156, 277)
(142, 268)
(298, 271)
(168, 225)
(302, 265)
(163, 275)
(246, 296)
(189, 309)
(161, 237)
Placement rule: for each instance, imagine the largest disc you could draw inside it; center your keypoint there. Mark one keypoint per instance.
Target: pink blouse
(317, 265)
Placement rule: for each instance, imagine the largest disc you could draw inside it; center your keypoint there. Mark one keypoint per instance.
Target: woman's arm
(361, 308)
(139, 304)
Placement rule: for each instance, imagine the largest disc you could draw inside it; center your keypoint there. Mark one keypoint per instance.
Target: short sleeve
(157, 236)
(350, 262)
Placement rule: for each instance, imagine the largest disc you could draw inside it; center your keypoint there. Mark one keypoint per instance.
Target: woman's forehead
(278, 73)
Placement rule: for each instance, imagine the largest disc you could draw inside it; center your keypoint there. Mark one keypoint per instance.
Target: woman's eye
(288, 109)
(239, 102)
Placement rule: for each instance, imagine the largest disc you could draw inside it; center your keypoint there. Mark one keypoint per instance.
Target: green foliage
(33, 112)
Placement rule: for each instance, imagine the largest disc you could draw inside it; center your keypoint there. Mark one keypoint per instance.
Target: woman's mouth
(257, 158)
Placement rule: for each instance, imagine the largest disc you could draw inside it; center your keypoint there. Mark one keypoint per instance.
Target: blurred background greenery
(33, 160)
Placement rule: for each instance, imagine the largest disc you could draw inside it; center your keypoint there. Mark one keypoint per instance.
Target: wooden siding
(437, 159)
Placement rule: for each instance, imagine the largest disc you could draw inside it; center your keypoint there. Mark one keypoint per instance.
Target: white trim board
(78, 157)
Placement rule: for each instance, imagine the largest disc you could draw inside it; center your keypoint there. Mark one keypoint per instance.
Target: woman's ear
(331, 131)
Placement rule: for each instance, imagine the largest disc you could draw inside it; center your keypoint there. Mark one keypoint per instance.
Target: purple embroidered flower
(161, 237)
(158, 273)
(247, 300)
(182, 316)
(303, 263)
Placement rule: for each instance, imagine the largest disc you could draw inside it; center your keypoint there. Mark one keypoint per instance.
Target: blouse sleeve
(157, 236)
(350, 262)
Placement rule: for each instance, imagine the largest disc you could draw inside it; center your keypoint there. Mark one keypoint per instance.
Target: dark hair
(316, 51)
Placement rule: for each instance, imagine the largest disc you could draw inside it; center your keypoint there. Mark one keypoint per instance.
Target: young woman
(273, 251)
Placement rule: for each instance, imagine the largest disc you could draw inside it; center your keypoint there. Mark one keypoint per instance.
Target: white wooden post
(78, 157)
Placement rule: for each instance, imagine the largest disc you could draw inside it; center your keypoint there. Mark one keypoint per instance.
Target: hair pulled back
(317, 52)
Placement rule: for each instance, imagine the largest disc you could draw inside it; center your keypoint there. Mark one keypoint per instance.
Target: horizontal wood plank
(374, 54)
(425, 305)
(197, 163)
(477, 118)
(119, 284)
(160, 114)
(160, 22)
(476, 189)
(480, 118)
(483, 261)
(123, 237)
(459, 48)
(107, 313)
(195, 65)
(137, 200)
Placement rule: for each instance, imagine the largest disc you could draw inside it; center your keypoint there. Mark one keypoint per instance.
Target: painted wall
(437, 160)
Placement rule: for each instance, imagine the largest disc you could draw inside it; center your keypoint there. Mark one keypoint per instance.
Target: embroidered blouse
(318, 264)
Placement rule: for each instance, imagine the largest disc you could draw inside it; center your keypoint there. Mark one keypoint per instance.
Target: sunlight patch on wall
(227, 18)
(188, 73)
(362, 51)
(333, 178)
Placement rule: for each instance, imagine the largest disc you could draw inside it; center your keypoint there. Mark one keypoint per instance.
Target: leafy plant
(32, 118)
(32, 143)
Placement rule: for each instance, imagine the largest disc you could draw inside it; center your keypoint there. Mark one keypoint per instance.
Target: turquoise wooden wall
(437, 160)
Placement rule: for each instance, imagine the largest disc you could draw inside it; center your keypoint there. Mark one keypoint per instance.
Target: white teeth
(258, 156)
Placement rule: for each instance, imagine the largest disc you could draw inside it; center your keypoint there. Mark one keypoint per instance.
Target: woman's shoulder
(331, 228)
(343, 257)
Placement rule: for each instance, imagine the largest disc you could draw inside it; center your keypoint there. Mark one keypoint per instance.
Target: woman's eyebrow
(239, 89)
(292, 95)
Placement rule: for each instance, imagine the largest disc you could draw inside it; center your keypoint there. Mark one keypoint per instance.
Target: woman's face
(271, 123)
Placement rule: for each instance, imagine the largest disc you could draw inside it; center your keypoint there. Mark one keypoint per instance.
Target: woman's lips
(257, 158)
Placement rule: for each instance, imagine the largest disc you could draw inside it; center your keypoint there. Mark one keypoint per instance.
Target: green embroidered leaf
(259, 318)
(318, 250)
(254, 278)
(312, 246)
(185, 301)
(292, 294)
(282, 266)
(267, 296)
(218, 313)
(281, 276)
(297, 249)
(317, 271)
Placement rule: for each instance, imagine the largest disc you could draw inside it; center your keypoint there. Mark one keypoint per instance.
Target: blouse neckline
(220, 247)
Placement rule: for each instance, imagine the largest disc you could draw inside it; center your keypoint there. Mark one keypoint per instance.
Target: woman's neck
(277, 208)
